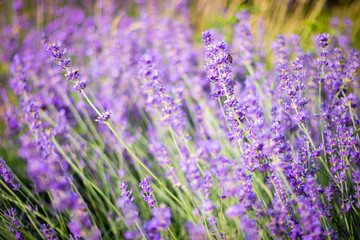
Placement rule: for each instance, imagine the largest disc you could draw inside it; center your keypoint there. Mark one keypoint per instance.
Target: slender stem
(90, 103)
(149, 171)
(138, 160)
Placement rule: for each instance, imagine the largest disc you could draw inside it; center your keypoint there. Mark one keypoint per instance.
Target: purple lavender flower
(129, 209)
(212, 223)
(8, 176)
(146, 192)
(207, 38)
(158, 149)
(72, 237)
(152, 86)
(352, 65)
(207, 183)
(281, 50)
(193, 175)
(14, 223)
(64, 64)
(55, 51)
(47, 232)
(104, 117)
(300, 118)
(80, 224)
(126, 195)
(218, 67)
(17, 5)
(356, 181)
(71, 75)
(278, 225)
(19, 82)
(162, 216)
(31, 209)
(207, 207)
(158, 98)
(135, 234)
(214, 227)
(131, 214)
(195, 231)
(79, 86)
(10, 115)
(310, 221)
(323, 40)
(248, 225)
(235, 211)
(172, 175)
(243, 39)
(151, 230)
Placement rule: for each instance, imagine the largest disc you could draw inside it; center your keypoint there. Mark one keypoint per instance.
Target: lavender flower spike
(146, 192)
(71, 75)
(8, 176)
(14, 223)
(323, 40)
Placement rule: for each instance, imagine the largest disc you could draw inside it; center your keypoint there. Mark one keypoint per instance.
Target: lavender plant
(161, 137)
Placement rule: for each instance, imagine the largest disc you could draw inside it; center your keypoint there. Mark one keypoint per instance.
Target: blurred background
(302, 17)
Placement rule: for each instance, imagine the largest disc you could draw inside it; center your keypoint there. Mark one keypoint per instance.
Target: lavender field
(143, 120)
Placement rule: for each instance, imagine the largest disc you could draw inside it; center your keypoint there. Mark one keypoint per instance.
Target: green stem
(138, 160)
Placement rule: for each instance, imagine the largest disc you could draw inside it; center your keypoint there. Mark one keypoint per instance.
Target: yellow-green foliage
(280, 17)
